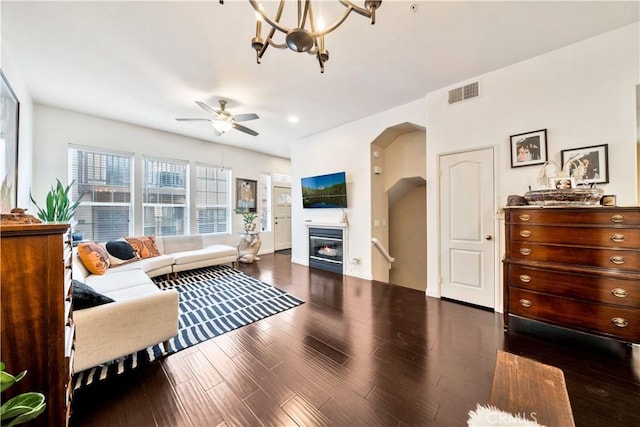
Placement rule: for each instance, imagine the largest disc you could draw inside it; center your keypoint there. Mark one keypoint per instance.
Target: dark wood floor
(358, 353)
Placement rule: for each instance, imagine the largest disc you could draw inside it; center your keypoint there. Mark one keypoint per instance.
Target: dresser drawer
(623, 259)
(595, 288)
(588, 236)
(615, 321)
(594, 215)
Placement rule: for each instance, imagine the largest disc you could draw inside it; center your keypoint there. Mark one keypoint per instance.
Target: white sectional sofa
(189, 252)
(141, 315)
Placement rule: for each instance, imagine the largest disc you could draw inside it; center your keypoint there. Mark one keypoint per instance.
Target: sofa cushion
(120, 252)
(145, 246)
(94, 257)
(174, 244)
(111, 282)
(214, 251)
(84, 296)
(134, 291)
(146, 265)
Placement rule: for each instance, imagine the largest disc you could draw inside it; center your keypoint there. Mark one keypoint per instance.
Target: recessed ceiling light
(293, 119)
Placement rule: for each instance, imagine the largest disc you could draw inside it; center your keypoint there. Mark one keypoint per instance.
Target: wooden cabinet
(574, 267)
(37, 317)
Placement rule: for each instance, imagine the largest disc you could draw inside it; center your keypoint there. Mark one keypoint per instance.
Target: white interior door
(282, 224)
(467, 252)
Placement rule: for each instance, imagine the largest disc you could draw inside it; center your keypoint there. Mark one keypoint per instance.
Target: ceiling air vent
(463, 92)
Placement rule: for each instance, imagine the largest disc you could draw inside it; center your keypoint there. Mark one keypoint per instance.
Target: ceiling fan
(222, 120)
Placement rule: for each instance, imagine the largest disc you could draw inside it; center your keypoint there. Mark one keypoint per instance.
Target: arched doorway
(398, 205)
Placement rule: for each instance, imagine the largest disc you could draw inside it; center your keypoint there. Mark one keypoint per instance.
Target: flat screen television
(325, 191)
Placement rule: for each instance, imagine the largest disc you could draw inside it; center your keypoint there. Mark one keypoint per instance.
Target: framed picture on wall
(528, 149)
(246, 195)
(588, 165)
(9, 120)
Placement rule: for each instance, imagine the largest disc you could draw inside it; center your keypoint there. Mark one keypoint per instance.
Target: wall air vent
(463, 92)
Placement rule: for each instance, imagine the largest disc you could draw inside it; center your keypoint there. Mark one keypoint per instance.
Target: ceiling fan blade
(245, 129)
(189, 119)
(245, 117)
(206, 108)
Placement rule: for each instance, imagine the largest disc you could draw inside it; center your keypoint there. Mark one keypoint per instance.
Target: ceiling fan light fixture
(222, 120)
(222, 126)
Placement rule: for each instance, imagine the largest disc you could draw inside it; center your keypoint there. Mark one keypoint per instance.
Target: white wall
(346, 148)
(404, 158)
(583, 94)
(55, 129)
(25, 136)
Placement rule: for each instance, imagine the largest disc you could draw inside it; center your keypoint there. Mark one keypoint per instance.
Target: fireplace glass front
(325, 249)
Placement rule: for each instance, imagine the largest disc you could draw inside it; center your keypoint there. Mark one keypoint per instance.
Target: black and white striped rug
(213, 300)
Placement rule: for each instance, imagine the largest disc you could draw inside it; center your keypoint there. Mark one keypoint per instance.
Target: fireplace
(325, 249)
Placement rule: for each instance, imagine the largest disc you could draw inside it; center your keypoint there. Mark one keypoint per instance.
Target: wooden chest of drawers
(574, 267)
(37, 314)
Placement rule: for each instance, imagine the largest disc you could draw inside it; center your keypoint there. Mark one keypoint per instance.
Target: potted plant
(248, 219)
(21, 408)
(58, 207)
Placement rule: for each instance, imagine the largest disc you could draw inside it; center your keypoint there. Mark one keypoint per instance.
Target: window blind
(164, 197)
(103, 180)
(213, 204)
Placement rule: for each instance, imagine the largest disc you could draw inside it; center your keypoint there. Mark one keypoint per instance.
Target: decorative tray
(565, 197)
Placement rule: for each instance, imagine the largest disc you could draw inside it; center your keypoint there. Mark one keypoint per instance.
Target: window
(164, 197)
(213, 204)
(104, 180)
(265, 202)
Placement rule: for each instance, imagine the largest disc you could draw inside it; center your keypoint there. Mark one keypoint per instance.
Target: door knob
(488, 237)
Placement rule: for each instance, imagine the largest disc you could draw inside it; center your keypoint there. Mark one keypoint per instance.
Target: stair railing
(382, 250)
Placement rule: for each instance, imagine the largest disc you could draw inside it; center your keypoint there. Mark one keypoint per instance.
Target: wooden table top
(531, 390)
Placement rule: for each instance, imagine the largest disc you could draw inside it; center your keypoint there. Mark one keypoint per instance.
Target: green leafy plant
(21, 408)
(247, 218)
(58, 205)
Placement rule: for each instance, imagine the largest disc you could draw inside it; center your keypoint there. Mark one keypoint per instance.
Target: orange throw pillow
(94, 257)
(145, 246)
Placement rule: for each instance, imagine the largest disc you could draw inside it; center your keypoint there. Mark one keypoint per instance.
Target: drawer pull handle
(617, 260)
(526, 303)
(525, 217)
(525, 233)
(527, 251)
(619, 292)
(620, 322)
(526, 279)
(617, 218)
(618, 238)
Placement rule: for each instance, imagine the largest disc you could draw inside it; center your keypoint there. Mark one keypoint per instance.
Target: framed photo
(528, 149)
(9, 120)
(588, 165)
(563, 183)
(246, 195)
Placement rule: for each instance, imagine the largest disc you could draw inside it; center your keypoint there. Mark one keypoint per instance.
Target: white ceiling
(147, 62)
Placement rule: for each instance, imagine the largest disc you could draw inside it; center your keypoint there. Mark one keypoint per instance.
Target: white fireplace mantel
(326, 224)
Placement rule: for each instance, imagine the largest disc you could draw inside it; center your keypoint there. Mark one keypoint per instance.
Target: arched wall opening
(398, 205)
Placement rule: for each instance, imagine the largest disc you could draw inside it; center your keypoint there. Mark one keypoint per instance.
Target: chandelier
(307, 35)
